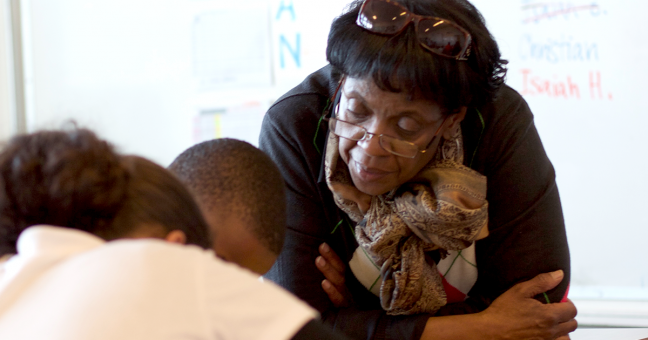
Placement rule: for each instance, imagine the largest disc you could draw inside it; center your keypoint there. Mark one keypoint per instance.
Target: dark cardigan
(527, 232)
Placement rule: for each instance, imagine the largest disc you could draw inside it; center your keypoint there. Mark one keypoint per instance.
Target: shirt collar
(50, 239)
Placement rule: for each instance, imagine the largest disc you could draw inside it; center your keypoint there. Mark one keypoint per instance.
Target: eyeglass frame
(416, 19)
(366, 132)
(381, 140)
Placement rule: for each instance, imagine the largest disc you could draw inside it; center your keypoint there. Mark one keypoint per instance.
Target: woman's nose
(371, 145)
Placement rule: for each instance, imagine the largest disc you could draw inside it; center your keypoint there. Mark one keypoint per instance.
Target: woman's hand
(523, 317)
(333, 269)
(513, 315)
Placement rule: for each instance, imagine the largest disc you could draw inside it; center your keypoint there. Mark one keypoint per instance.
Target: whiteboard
(156, 76)
(581, 68)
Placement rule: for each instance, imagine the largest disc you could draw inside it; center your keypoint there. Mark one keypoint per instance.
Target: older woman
(410, 159)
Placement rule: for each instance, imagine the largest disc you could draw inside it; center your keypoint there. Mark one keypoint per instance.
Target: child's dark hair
(234, 176)
(156, 197)
(73, 179)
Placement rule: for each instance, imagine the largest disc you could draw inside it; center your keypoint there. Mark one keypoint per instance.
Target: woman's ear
(453, 122)
(176, 236)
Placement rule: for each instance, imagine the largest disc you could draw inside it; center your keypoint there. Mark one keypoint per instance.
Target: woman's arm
(514, 315)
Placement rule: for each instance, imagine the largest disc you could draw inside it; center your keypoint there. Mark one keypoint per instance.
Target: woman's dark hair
(398, 63)
(73, 179)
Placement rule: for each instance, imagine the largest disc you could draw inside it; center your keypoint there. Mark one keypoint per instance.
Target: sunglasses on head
(438, 35)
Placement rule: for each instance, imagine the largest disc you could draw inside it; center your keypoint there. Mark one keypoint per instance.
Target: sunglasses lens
(441, 37)
(383, 16)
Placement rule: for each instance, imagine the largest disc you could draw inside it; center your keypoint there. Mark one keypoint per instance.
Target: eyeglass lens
(438, 35)
(356, 133)
(347, 130)
(398, 147)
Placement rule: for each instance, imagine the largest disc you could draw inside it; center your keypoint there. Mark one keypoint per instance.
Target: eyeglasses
(438, 35)
(393, 145)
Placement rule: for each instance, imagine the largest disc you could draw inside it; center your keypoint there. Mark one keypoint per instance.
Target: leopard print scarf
(443, 207)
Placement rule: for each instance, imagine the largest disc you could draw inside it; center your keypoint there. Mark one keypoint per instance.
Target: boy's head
(242, 195)
(74, 179)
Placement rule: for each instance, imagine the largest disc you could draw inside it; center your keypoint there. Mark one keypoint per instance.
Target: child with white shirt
(113, 247)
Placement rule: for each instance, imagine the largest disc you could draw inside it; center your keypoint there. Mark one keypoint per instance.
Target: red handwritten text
(564, 87)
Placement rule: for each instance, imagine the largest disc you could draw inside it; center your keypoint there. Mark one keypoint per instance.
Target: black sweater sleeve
(315, 330)
(527, 230)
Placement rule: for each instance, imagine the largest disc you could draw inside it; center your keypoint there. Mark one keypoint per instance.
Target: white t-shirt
(69, 284)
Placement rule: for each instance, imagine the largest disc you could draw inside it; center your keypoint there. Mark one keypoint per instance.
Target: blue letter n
(295, 53)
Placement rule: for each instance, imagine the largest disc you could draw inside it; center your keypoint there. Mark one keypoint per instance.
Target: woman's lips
(368, 174)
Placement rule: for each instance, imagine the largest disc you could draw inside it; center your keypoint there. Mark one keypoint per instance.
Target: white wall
(156, 76)
(6, 114)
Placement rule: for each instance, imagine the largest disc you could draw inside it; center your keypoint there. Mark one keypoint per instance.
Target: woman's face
(373, 169)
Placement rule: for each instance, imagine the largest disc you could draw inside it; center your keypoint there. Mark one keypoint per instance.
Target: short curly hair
(398, 63)
(234, 176)
(73, 179)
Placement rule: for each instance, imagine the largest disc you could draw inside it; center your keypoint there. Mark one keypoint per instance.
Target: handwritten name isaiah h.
(534, 85)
